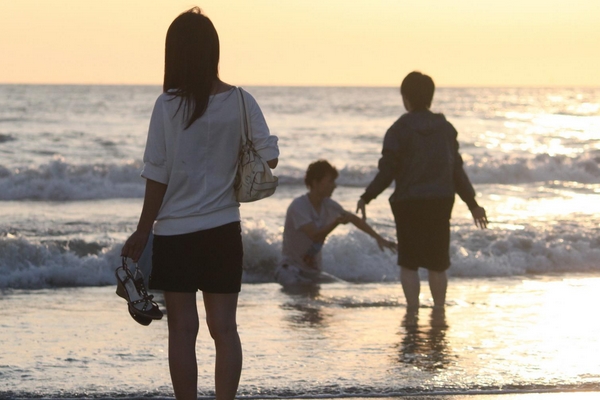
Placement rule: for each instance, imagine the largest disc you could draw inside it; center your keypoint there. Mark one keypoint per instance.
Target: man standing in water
(420, 153)
(308, 221)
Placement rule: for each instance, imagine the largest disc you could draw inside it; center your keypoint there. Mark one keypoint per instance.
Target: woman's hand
(153, 198)
(135, 245)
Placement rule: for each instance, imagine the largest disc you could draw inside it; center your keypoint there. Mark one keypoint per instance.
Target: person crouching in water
(310, 218)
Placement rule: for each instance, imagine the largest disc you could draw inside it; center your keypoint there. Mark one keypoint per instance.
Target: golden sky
(310, 42)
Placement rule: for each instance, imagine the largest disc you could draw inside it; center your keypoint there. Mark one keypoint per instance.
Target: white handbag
(254, 179)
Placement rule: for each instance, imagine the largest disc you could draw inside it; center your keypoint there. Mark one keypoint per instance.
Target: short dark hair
(191, 62)
(319, 170)
(418, 89)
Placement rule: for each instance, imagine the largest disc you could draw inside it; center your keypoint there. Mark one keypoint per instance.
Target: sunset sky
(310, 42)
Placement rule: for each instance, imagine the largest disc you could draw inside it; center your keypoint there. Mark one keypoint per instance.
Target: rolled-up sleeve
(264, 143)
(462, 184)
(388, 164)
(155, 155)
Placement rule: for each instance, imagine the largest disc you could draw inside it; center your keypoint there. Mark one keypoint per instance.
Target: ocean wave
(30, 265)
(61, 181)
(541, 168)
(11, 119)
(584, 168)
(4, 137)
(58, 180)
(354, 257)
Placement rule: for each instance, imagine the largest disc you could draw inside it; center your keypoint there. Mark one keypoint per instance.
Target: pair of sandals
(131, 287)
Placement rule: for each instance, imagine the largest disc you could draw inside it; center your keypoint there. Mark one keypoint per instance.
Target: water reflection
(304, 300)
(425, 346)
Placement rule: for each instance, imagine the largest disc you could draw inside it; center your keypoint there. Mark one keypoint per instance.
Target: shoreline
(497, 395)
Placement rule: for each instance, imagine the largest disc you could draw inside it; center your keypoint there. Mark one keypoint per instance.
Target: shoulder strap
(245, 118)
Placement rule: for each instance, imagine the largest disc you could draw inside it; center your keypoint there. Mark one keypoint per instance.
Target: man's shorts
(423, 229)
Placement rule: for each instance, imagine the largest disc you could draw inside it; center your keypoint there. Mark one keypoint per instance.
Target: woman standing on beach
(189, 166)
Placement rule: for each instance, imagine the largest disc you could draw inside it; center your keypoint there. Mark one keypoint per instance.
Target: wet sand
(346, 341)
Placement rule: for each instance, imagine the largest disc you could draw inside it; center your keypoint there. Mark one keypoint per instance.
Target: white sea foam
(59, 180)
(584, 168)
(353, 257)
(41, 265)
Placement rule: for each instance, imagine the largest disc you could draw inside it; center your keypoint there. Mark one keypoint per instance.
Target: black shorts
(423, 229)
(209, 260)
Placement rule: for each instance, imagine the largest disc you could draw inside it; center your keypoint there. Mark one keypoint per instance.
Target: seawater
(518, 314)
(70, 190)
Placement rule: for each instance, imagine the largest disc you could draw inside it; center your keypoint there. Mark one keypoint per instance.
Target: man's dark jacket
(420, 152)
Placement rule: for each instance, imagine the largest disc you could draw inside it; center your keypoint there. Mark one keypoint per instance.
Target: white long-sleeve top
(198, 164)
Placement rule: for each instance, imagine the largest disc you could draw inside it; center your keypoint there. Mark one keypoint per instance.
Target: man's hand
(479, 217)
(362, 206)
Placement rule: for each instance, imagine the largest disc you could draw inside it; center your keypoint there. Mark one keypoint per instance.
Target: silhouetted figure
(190, 165)
(420, 153)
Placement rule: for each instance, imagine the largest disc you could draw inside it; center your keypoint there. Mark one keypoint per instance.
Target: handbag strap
(245, 118)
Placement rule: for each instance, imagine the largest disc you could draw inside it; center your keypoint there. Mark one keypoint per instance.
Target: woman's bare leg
(221, 319)
(182, 317)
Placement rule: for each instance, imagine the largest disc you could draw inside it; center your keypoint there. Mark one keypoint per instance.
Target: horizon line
(481, 86)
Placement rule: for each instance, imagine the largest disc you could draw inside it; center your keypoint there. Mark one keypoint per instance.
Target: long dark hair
(191, 62)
